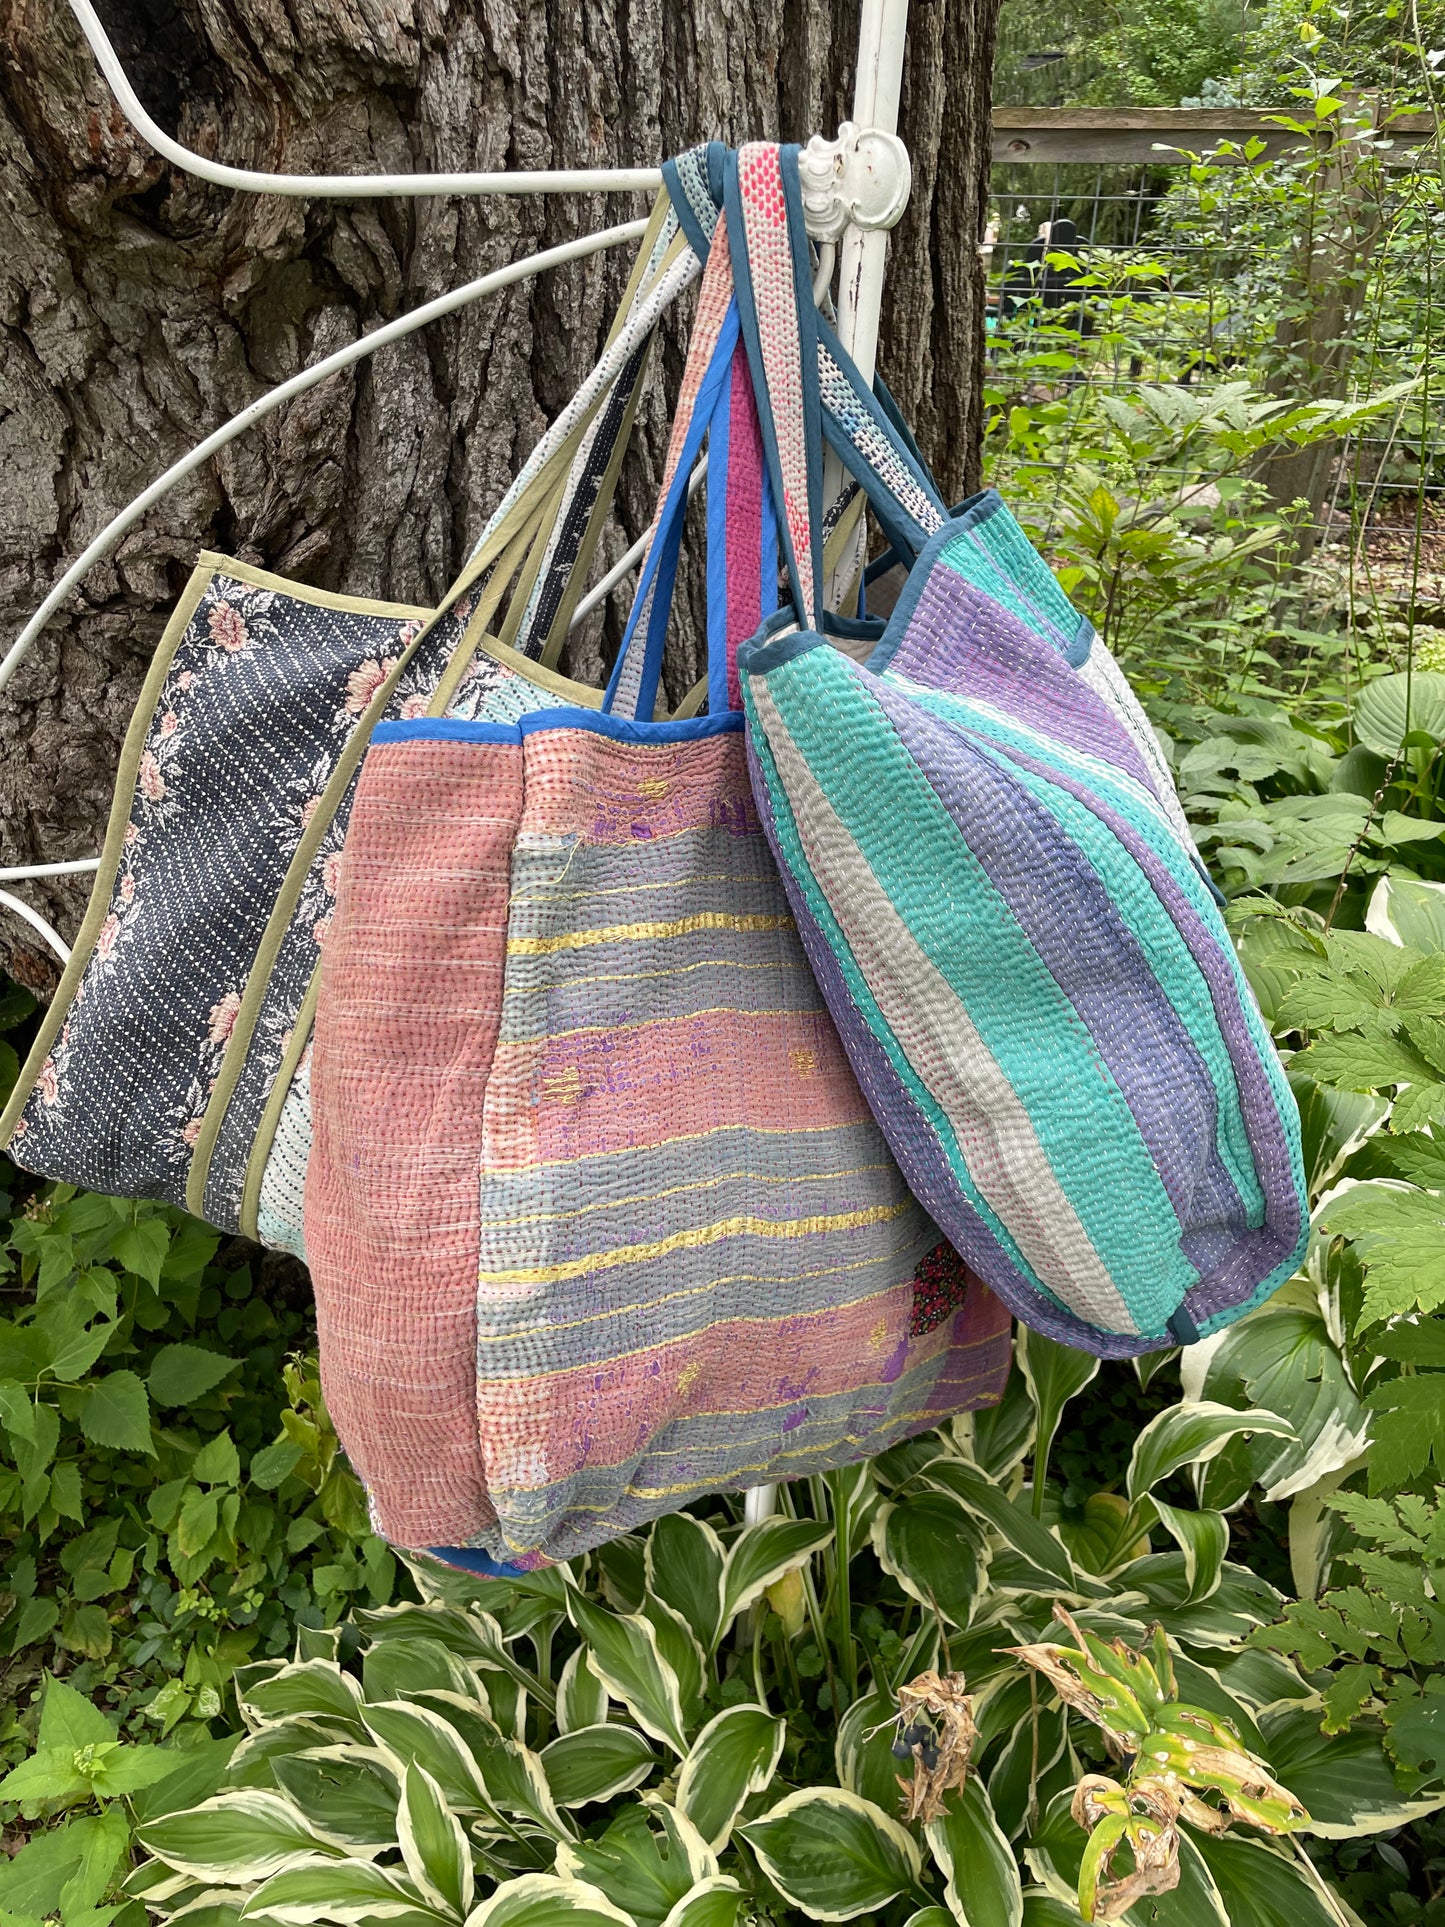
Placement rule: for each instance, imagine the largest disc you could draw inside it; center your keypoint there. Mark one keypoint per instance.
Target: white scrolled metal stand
(855, 188)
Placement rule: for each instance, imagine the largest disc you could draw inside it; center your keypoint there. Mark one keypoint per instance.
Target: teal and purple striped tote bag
(995, 885)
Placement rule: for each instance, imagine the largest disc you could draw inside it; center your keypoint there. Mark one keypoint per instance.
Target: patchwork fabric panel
(692, 1257)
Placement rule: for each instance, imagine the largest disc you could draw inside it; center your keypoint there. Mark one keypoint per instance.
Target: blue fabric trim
(632, 729)
(760, 657)
(469, 1559)
(445, 729)
(768, 559)
(661, 564)
(719, 437)
(697, 240)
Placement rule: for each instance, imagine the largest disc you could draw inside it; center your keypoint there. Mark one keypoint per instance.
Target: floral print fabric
(259, 699)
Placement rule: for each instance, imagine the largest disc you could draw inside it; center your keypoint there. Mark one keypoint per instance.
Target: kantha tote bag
(995, 885)
(171, 1064)
(597, 1216)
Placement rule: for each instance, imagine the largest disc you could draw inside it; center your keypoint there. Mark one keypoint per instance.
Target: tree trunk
(139, 308)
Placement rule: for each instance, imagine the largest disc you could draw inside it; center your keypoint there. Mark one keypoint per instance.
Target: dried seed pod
(939, 1744)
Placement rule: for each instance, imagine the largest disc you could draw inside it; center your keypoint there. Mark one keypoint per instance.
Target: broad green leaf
(1362, 1063)
(218, 1462)
(542, 1900)
(17, 1410)
(142, 1247)
(684, 1566)
(197, 1772)
(623, 1653)
(511, 1774)
(863, 1749)
(199, 1516)
(648, 1859)
(1042, 1909)
(315, 1889)
(679, 1646)
(1022, 1775)
(581, 1696)
(1407, 1430)
(317, 1689)
(834, 1854)
(274, 1464)
(235, 1837)
(1191, 1435)
(1262, 1887)
(736, 1754)
(415, 1733)
(31, 1884)
(350, 1791)
(396, 1668)
(1402, 1246)
(932, 1917)
(712, 1903)
(71, 1719)
(130, 1768)
(1043, 1563)
(1343, 1780)
(595, 1763)
(38, 1619)
(1203, 1538)
(1392, 707)
(976, 1860)
(761, 1554)
(433, 1845)
(50, 1773)
(936, 1551)
(182, 1373)
(1406, 911)
(115, 1411)
(103, 1845)
(1054, 1374)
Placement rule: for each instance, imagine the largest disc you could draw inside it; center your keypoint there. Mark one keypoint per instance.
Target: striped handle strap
(808, 387)
(714, 401)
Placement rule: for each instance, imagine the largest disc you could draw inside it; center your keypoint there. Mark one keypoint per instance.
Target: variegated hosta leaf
(345, 1891)
(471, 1635)
(1054, 1374)
(1038, 1562)
(416, 1733)
(317, 1689)
(623, 1652)
(834, 1854)
(542, 1900)
(511, 1775)
(349, 1791)
(596, 1763)
(647, 1860)
(976, 1860)
(433, 1845)
(236, 1837)
(936, 1550)
(735, 1755)
(1192, 1435)
(759, 1557)
(581, 1696)
(712, 1903)
(398, 1668)
(1203, 1538)
(684, 1567)
(680, 1647)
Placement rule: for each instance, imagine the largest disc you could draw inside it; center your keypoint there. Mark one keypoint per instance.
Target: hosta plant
(883, 1703)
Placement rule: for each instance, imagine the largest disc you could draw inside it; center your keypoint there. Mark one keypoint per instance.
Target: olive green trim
(303, 592)
(692, 702)
(275, 1104)
(113, 849)
(535, 672)
(488, 601)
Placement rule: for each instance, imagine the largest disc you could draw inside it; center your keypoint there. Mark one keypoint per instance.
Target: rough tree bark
(139, 308)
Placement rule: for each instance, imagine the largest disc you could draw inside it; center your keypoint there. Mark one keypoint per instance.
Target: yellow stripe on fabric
(570, 1212)
(649, 1306)
(694, 1239)
(640, 932)
(514, 1044)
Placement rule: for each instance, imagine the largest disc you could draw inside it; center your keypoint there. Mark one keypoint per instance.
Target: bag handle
(714, 402)
(808, 387)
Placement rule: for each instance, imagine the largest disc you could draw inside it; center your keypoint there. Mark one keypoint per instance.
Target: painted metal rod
(37, 922)
(298, 384)
(348, 187)
(50, 869)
